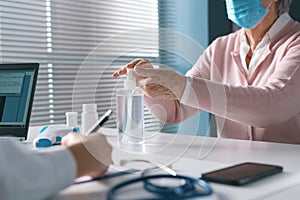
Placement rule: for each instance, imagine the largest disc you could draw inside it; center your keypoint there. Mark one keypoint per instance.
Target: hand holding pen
(92, 153)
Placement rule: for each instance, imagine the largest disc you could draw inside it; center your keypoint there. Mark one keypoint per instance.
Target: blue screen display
(15, 91)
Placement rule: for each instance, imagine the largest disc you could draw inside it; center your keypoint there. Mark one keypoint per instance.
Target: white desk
(183, 153)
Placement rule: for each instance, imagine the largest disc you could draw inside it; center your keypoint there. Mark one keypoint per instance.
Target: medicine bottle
(89, 117)
(130, 112)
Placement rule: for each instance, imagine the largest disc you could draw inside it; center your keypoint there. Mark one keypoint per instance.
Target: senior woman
(249, 79)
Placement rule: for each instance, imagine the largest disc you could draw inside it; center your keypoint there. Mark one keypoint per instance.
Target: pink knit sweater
(263, 107)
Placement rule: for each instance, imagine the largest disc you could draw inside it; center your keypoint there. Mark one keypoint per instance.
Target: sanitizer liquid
(130, 115)
(130, 112)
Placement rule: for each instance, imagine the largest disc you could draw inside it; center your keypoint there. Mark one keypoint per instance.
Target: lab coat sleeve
(28, 174)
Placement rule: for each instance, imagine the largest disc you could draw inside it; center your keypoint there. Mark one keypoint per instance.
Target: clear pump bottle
(130, 112)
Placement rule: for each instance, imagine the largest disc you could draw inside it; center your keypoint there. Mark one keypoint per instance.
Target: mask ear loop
(267, 8)
(269, 5)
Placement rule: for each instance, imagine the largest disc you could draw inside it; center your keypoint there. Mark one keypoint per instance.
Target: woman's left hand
(161, 83)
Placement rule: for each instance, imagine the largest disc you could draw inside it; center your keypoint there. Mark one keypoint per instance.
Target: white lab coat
(28, 174)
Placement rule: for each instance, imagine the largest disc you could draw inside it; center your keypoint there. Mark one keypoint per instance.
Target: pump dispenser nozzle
(129, 82)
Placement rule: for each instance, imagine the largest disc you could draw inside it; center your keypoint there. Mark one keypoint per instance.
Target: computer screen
(17, 86)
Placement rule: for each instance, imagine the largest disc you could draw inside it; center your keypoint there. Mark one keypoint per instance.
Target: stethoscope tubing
(207, 190)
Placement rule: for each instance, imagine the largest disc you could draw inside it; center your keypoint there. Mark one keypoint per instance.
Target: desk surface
(193, 155)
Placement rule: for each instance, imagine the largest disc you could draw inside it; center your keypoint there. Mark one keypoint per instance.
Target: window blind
(23, 32)
(167, 43)
(79, 44)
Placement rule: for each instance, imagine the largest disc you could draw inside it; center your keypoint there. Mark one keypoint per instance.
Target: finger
(144, 64)
(133, 63)
(120, 72)
(68, 139)
(147, 72)
(72, 138)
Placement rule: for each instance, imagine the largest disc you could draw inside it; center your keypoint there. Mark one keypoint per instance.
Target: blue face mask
(246, 13)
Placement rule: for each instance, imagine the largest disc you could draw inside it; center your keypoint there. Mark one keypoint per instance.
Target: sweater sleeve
(33, 174)
(265, 106)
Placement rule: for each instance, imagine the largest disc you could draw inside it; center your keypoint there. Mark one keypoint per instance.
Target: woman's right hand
(139, 62)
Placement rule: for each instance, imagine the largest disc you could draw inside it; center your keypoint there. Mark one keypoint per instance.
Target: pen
(99, 123)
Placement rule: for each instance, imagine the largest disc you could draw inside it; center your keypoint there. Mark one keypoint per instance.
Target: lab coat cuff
(64, 165)
(186, 92)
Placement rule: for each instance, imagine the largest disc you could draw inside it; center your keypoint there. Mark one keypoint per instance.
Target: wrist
(88, 164)
(84, 161)
(181, 87)
(77, 152)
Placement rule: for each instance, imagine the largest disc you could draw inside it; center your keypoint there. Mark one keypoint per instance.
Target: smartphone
(241, 174)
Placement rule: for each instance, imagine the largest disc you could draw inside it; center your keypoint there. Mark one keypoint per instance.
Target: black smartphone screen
(241, 174)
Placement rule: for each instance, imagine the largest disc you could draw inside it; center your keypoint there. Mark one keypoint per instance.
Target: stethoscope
(190, 187)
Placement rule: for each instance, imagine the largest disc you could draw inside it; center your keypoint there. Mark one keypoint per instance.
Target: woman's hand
(139, 62)
(161, 83)
(156, 83)
(92, 153)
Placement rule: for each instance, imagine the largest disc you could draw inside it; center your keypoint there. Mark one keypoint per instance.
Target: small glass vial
(130, 113)
(89, 117)
(71, 119)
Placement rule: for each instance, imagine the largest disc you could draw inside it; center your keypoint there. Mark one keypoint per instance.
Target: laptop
(17, 87)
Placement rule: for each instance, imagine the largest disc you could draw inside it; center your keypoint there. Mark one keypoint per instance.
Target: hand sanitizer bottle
(130, 112)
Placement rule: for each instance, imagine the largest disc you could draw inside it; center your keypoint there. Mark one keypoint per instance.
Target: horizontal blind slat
(67, 38)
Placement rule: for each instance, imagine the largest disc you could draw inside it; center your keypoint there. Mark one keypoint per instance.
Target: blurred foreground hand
(92, 153)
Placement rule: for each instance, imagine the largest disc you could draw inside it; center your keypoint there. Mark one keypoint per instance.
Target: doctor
(248, 79)
(26, 174)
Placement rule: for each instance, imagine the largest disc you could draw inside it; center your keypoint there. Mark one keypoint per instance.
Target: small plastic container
(71, 119)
